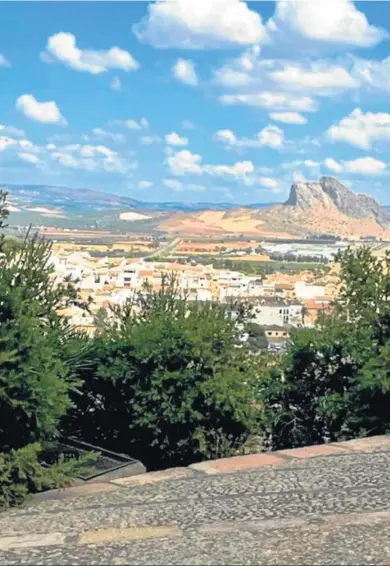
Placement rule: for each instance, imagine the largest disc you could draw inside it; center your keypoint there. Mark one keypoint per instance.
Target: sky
(196, 101)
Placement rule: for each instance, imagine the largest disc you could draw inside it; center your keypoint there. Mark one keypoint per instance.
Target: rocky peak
(329, 192)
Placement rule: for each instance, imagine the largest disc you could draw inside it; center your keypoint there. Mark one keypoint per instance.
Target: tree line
(169, 381)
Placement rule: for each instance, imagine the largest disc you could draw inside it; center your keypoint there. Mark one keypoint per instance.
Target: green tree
(171, 384)
(334, 382)
(39, 355)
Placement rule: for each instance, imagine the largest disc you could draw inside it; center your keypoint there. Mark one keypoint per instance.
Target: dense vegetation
(170, 382)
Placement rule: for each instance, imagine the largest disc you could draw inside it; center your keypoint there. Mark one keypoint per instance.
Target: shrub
(169, 379)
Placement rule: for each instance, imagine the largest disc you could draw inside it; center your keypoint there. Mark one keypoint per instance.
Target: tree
(170, 385)
(334, 382)
(39, 354)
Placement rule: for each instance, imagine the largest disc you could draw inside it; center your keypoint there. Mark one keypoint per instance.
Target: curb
(261, 460)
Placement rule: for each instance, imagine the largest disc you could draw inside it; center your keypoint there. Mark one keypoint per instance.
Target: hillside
(324, 207)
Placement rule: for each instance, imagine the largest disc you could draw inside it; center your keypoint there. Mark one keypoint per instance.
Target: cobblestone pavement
(314, 506)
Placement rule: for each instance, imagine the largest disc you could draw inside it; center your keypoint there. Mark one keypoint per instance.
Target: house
(305, 291)
(272, 311)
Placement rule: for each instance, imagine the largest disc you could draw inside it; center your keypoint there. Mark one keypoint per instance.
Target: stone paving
(317, 505)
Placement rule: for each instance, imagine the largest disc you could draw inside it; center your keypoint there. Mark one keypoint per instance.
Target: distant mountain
(325, 207)
(68, 200)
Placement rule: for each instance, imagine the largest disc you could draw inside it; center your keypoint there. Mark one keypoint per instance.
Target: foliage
(39, 355)
(22, 474)
(334, 382)
(35, 347)
(170, 385)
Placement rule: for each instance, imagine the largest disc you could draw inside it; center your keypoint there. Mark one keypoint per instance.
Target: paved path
(321, 505)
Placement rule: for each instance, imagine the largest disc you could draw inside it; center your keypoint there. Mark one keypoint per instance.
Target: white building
(305, 291)
(273, 311)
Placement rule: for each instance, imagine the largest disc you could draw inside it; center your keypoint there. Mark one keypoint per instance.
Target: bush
(334, 382)
(22, 474)
(170, 384)
(38, 357)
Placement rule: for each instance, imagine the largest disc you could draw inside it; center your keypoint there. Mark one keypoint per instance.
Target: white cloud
(94, 158)
(131, 124)
(173, 184)
(116, 84)
(269, 183)
(29, 157)
(188, 125)
(272, 101)
(186, 163)
(6, 142)
(11, 130)
(175, 140)
(270, 136)
(288, 117)
(100, 133)
(332, 165)
(145, 185)
(225, 136)
(362, 165)
(184, 71)
(4, 61)
(62, 47)
(45, 112)
(201, 24)
(196, 188)
(374, 74)
(319, 77)
(361, 129)
(149, 140)
(338, 22)
(298, 177)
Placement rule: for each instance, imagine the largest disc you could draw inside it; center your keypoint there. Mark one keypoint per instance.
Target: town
(278, 301)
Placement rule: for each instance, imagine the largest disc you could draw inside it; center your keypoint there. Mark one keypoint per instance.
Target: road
(330, 507)
(170, 246)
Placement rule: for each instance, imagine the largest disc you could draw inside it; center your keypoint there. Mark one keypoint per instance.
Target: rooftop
(327, 504)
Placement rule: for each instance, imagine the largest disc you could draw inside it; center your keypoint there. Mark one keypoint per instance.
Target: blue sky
(213, 100)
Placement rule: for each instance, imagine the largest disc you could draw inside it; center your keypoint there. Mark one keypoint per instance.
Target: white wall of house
(305, 291)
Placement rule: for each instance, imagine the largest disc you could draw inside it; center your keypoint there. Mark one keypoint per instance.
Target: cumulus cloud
(11, 130)
(131, 124)
(149, 140)
(184, 71)
(175, 140)
(62, 47)
(373, 74)
(332, 165)
(201, 24)
(288, 117)
(178, 186)
(173, 184)
(4, 61)
(319, 78)
(116, 84)
(45, 112)
(186, 163)
(270, 136)
(93, 158)
(272, 101)
(340, 23)
(362, 165)
(99, 133)
(361, 129)
(145, 185)
(29, 158)
(188, 125)
(269, 183)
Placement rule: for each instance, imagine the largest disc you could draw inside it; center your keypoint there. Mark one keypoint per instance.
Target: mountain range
(313, 208)
(83, 200)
